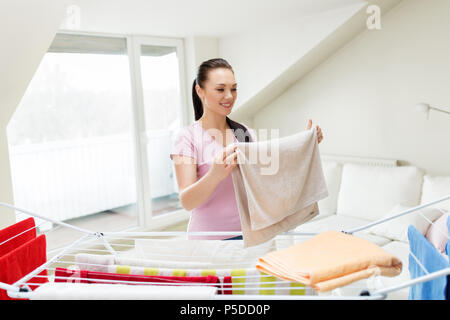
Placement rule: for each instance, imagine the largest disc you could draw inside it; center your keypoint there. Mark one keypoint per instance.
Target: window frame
(145, 218)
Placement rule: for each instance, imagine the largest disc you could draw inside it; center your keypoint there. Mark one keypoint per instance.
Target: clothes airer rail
(21, 290)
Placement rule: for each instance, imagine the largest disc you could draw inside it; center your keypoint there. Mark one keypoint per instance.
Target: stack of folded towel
(233, 264)
(330, 260)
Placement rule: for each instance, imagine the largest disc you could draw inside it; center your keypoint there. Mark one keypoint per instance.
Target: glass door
(71, 138)
(160, 101)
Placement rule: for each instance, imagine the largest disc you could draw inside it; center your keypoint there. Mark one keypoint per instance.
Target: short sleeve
(183, 145)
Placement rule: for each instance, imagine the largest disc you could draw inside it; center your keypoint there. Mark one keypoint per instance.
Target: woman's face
(219, 91)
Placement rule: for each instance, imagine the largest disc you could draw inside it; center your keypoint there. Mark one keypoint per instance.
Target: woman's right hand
(224, 161)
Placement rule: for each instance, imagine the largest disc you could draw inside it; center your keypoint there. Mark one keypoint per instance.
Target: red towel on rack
(84, 276)
(17, 234)
(91, 276)
(21, 261)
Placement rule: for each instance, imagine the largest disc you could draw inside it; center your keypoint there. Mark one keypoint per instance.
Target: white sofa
(365, 190)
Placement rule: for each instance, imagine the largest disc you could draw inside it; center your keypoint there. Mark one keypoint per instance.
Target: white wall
(26, 29)
(260, 55)
(363, 95)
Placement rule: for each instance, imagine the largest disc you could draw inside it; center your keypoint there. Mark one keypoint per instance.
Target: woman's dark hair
(239, 130)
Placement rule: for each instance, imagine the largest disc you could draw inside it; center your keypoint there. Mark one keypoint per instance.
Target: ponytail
(198, 106)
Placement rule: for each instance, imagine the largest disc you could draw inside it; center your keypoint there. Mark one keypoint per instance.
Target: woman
(204, 153)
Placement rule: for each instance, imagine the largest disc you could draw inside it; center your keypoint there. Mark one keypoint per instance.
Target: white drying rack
(20, 289)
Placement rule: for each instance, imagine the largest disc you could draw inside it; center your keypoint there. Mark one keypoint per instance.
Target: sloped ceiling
(200, 18)
(329, 45)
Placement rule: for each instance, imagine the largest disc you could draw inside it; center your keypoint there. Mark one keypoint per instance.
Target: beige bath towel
(330, 260)
(277, 185)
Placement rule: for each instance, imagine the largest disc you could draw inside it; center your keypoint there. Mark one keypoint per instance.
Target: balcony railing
(74, 178)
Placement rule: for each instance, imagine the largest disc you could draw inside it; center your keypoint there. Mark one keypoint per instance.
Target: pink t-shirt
(219, 212)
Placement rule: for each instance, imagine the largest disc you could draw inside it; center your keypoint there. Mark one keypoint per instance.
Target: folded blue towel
(432, 261)
(447, 247)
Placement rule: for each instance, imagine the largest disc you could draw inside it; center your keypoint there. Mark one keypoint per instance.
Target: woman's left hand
(319, 131)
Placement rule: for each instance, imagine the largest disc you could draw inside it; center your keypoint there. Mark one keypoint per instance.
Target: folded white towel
(209, 251)
(100, 263)
(85, 291)
(180, 265)
(94, 262)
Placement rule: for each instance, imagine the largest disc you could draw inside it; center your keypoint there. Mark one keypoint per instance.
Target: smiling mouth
(226, 105)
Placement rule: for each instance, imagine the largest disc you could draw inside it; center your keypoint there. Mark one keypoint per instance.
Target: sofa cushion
(397, 228)
(368, 192)
(435, 188)
(332, 172)
(437, 233)
(340, 223)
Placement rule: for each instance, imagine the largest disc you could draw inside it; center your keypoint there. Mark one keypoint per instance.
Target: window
(161, 97)
(77, 151)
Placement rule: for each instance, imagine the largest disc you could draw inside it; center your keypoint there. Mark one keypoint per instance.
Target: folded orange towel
(330, 260)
